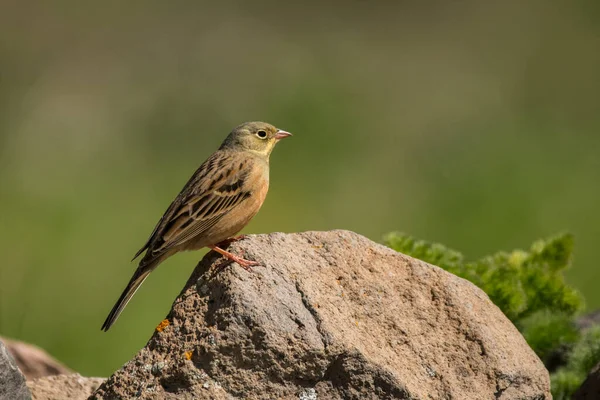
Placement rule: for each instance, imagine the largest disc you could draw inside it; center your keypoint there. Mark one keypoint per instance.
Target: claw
(246, 264)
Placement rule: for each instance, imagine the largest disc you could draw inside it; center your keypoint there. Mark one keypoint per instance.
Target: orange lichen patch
(163, 325)
(188, 355)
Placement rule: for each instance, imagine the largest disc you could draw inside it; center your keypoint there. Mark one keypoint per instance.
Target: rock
(590, 388)
(330, 315)
(34, 362)
(58, 387)
(12, 381)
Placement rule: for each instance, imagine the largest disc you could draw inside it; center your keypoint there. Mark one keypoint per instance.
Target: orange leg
(246, 264)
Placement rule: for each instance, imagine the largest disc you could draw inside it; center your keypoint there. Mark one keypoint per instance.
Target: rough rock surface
(12, 381)
(330, 315)
(590, 389)
(59, 387)
(32, 361)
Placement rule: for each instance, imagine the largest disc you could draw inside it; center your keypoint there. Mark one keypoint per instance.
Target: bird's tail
(134, 284)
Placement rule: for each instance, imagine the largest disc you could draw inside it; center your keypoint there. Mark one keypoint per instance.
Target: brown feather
(218, 200)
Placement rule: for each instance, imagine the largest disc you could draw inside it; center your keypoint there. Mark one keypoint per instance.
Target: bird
(217, 202)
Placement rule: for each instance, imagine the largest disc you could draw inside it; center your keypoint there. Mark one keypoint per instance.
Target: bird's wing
(216, 188)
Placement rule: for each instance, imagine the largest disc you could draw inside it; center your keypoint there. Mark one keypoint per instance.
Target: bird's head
(257, 137)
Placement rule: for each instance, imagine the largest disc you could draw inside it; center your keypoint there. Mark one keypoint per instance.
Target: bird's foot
(225, 243)
(246, 264)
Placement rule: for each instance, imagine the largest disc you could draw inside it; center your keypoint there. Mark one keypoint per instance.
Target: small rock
(59, 387)
(590, 389)
(12, 381)
(34, 362)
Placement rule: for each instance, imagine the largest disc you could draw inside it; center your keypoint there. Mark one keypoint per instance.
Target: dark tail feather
(136, 280)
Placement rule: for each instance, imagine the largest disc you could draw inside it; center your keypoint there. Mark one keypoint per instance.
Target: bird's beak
(282, 135)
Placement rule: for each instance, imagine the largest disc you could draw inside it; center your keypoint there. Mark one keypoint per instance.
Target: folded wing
(213, 191)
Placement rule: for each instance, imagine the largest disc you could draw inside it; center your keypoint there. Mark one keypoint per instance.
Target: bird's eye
(261, 134)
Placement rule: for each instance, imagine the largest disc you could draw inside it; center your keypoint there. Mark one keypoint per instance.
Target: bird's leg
(225, 243)
(246, 264)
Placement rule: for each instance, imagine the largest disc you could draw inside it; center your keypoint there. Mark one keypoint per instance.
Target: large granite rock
(12, 381)
(330, 315)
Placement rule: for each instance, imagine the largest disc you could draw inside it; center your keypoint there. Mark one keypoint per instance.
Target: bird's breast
(258, 185)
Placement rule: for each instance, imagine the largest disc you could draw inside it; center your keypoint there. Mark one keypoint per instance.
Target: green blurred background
(471, 123)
